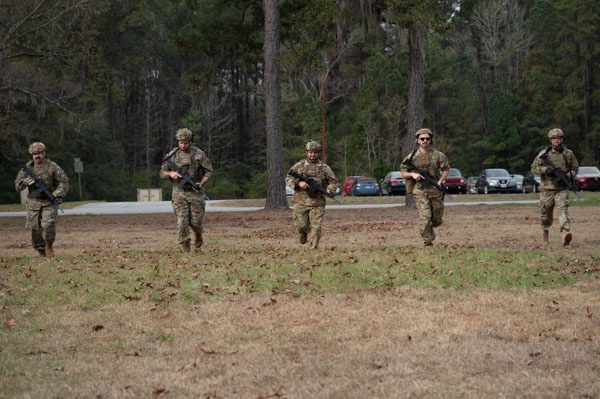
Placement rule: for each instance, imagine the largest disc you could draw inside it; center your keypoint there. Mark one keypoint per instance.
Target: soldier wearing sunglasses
(429, 200)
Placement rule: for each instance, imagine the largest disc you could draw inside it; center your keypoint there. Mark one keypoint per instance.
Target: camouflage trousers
(189, 207)
(430, 204)
(308, 219)
(41, 220)
(548, 200)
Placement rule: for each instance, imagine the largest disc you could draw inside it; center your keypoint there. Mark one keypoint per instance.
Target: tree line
(109, 82)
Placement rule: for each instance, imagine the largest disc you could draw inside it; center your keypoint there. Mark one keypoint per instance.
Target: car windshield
(366, 181)
(454, 173)
(497, 173)
(395, 175)
(588, 170)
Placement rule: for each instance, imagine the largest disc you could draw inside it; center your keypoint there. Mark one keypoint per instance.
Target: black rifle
(559, 175)
(185, 177)
(427, 178)
(313, 186)
(42, 188)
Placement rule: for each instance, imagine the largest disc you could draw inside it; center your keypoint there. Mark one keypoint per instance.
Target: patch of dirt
(476, 226)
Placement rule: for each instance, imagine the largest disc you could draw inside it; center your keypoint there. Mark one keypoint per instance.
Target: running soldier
(47, 184)
(549, 164)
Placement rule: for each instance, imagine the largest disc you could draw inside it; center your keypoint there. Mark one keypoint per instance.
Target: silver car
(495, 180)
(518, 183)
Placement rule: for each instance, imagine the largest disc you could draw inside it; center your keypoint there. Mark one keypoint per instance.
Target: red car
(346, 188)
(455, 182)
(588, 178)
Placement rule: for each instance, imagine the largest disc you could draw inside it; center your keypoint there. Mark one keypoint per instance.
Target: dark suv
(495, 180)
(393, 184)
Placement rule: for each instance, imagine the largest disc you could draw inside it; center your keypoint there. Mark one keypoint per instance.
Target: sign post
(78, 166)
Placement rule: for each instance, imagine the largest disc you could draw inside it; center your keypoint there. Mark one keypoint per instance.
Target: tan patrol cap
(423, 131)
(36, 148)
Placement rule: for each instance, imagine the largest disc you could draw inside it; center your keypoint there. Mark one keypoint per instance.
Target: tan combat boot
(185, 246)
(42, 252)
(198, 241)
(546, 240)
(566, 237)
(49, 251)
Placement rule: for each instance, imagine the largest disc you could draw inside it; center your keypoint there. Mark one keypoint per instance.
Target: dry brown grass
(401, 343)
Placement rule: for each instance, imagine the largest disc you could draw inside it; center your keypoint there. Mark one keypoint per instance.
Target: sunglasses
(425, 138)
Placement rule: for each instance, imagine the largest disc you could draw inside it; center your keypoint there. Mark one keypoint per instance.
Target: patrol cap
(184, 135)
(423, 131)
(555, 133)
(313, 146)
(36, 148)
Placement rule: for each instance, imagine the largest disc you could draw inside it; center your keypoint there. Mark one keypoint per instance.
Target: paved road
(123, 208)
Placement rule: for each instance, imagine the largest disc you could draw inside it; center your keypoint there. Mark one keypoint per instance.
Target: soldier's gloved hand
(59, 200)
(29, 181)
(550, 171)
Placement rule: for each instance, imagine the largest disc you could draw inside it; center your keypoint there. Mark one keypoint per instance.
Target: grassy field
(488, 312)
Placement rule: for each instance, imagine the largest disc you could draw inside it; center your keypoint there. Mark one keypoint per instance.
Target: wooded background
(110, 82)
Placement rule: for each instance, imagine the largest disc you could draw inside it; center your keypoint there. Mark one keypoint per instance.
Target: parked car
(531, 183)
(289, 191)
(588, 178)
(472, 185)
(518, 183)
(495, 180)
(393, 184)
(455, 182)
(347, 186)
(365, 186)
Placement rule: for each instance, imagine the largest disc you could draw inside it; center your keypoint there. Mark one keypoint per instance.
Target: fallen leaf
(8, 322)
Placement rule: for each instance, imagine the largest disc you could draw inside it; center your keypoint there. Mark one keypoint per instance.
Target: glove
(550, 171)
(29, 181)
(59, 200)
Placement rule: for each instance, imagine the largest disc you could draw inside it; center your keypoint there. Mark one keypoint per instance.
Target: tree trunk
(416, 90)
(276, 198)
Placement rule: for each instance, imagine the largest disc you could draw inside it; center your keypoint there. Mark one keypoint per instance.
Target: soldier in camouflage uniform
(42, 214)
(309, 211)
(429, 200)
(188, 203)
(551, 194)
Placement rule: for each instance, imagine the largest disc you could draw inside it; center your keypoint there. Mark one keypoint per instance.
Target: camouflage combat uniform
(189, 205)
(42, 214)
(552, 195)
(429, 200)
(308, 211)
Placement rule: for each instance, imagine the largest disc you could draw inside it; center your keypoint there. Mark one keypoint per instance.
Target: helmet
(36, 148)
(555, 133)
(313, 146)
(423, 131)
(184, 135)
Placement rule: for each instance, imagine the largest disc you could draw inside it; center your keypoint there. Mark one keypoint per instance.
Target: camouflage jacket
(51, 174)
(564, 160)
(319, 172)
(433, 161)
(194, 162)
